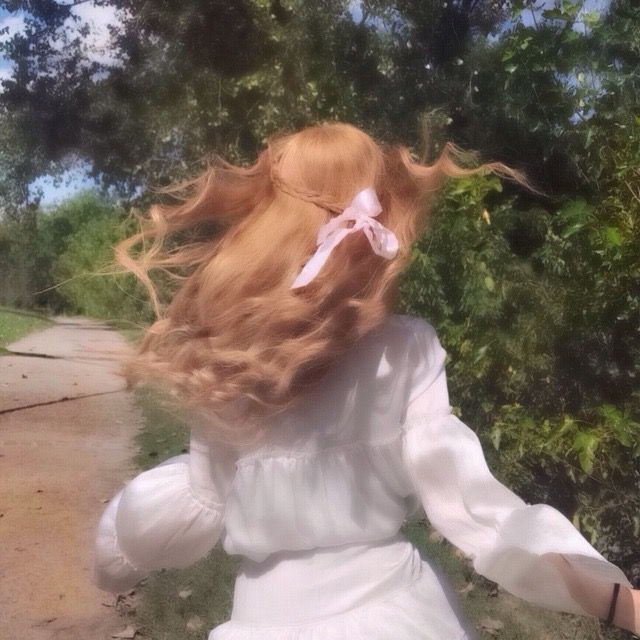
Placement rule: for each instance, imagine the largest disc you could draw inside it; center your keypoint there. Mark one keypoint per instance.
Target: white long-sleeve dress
(316, 511)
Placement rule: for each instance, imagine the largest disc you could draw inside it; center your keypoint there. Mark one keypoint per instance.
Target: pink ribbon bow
(362, 210)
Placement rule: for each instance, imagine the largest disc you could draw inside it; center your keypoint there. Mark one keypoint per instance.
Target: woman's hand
(595, 596)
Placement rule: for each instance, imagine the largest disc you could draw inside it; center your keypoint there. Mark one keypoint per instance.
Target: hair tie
(612, 607)
(362, 211)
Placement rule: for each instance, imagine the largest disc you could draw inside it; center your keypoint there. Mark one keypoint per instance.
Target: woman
(320, 418)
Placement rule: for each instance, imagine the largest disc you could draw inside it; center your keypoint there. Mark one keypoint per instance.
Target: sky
(98, 49)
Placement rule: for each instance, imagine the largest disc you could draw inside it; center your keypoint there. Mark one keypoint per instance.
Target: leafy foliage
(539, 312)
(77, 240)
(66, 262)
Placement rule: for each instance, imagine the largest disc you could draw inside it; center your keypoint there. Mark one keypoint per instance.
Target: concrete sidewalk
(66, 444)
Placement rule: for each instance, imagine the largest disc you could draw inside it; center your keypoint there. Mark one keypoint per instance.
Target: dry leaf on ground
(194, 623)
(128, 632)
(491, 625)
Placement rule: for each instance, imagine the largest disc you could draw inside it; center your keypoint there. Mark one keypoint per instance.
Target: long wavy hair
(234, 341)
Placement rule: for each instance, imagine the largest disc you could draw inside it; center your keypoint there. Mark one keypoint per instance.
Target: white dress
(316, 512)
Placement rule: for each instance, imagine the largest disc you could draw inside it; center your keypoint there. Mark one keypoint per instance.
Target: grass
(15, 324)
(162, 614)
(165, 434)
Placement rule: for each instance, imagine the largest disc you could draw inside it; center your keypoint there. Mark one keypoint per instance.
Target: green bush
(55, 229)
(51, 259)
(86, 273)
(539, 311)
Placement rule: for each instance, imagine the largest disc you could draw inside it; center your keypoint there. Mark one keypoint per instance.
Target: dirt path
(61, 456)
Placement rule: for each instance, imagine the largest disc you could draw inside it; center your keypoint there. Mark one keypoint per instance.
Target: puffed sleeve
(509, 541)
(169, 516)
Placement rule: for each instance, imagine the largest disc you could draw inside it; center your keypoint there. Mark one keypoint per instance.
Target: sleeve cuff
(112, 570)
(166, 520)
(520, 558)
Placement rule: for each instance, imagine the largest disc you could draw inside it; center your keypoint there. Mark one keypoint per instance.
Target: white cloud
(98, 43)
(14, 22)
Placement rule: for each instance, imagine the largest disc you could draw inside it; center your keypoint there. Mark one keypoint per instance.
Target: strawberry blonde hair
(234, 341)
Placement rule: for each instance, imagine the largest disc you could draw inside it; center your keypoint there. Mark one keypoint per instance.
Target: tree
(199, 76)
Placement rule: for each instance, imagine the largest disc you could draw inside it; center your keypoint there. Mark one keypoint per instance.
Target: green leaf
(494, 183)
(496, 435)
(489, 283)
(554, 14)
(613, 237)
(525, 43)
(586, 444)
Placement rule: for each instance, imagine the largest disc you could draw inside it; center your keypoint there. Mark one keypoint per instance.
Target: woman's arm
(595, 596)
(169, 516)
(511, 542)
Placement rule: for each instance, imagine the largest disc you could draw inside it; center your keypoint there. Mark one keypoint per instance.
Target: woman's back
(331, 472)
